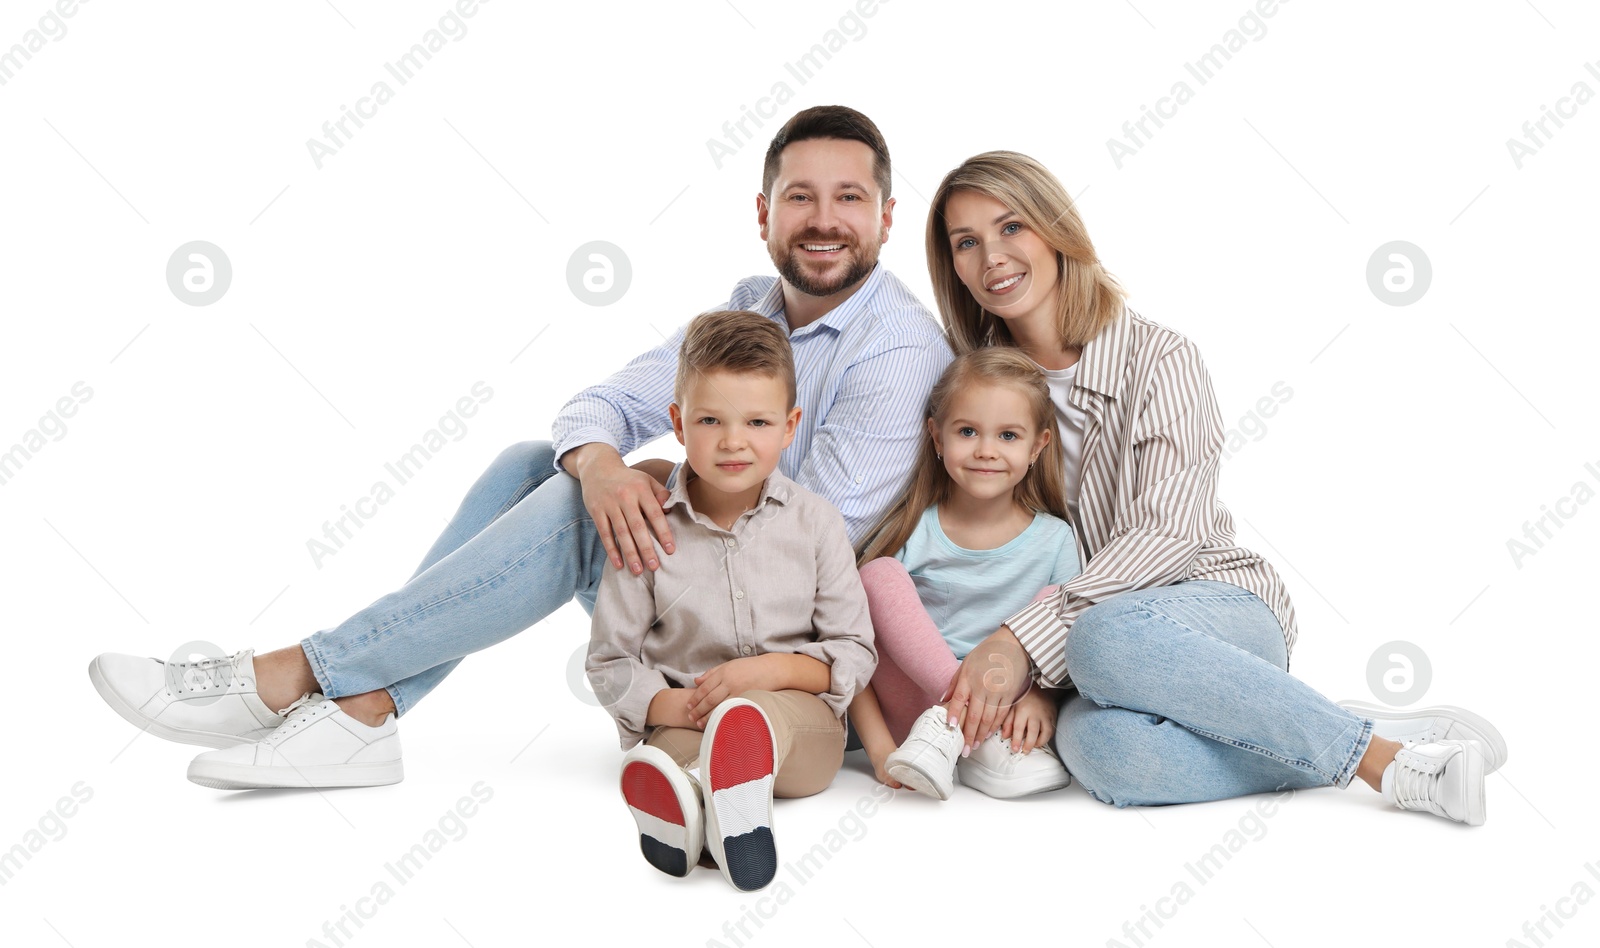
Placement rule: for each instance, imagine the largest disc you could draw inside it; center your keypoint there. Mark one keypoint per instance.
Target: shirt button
(738, 594)
(729, 541)
(858, 480)
(747, 650)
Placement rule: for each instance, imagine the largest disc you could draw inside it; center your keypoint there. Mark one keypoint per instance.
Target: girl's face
(1006, 267)
(988, 439)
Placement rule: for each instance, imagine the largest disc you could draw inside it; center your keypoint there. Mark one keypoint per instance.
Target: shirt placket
(738, 598)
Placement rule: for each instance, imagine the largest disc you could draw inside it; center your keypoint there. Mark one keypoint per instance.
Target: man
(538, 526)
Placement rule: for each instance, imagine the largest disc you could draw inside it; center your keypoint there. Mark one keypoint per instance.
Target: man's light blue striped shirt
(862, 372)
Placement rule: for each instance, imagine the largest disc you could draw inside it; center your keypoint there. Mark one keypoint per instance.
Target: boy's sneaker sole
(666, 809)
(224, 776)
(736, 764)
(1463, 726)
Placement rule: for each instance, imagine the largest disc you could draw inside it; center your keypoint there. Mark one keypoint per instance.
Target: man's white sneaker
(926, 762)
(1439, 723)
(317, 746)
(212, 702)
(994, 768)
(1444, 778)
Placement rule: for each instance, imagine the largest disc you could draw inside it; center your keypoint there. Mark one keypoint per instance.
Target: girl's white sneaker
(926, 762)
(997, 770)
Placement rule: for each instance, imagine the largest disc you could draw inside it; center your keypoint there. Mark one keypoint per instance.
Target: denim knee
(1093, 754)
(1099, 641)
(534, 459)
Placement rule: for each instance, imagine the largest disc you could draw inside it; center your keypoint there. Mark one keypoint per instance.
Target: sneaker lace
(1416, 789)
(301, 707)
(221, 673)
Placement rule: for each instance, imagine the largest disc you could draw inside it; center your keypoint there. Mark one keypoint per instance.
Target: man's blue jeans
(1184, 695)
(519, 548)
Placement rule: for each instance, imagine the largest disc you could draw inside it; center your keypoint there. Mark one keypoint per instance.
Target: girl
(984, 512)
(1176, 638)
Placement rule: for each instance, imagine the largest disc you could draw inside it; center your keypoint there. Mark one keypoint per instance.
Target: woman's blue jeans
(1184, 695)
(519, 548)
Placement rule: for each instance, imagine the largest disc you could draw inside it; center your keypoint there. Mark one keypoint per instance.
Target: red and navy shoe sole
(738, 774)
(666, 833)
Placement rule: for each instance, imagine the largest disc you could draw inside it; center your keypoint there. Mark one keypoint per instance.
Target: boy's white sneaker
(1444, 778)
(665, 803)
(1439, 723)
(997, 770)
(926, 762)
(737, 769)
(318, 745)
(212, 702)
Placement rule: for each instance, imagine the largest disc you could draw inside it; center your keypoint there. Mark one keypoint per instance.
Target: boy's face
(733, 427)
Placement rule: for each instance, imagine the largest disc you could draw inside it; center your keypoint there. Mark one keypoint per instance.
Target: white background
(425, 255)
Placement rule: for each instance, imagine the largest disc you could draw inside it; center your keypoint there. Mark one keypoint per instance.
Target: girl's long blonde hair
(1042, 489)
(1089, 298)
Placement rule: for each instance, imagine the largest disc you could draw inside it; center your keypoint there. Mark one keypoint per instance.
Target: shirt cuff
(1044, 637)
(630, 709)
(579, 437)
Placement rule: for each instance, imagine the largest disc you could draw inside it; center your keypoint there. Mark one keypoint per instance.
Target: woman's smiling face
(1004, 264)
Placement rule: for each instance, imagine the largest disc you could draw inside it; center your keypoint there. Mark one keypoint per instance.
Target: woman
(1176, 638)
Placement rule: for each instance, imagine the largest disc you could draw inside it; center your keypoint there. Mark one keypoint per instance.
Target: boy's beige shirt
(782, 580)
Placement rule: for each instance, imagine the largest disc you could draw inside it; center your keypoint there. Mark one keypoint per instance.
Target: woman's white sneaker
(1444, 778)
(212, 702)
(997, 770)
(1411, 726)
(318, 745)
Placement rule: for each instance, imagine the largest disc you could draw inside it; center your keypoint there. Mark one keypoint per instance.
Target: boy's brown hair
(735, 340)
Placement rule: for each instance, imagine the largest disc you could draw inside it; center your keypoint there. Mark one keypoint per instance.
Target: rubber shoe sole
(909, 771)
(665, 808)
(225, 776)
(736, 763)
(1469, 727)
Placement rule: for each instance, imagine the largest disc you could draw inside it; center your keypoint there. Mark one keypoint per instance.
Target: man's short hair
(829, 121)
(735, 340)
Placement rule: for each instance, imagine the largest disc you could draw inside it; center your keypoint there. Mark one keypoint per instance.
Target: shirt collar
(1105, 356)
(777, 488)
(771, 305)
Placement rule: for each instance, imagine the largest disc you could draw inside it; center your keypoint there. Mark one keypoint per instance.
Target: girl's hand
(879, 756)
(1031, 722)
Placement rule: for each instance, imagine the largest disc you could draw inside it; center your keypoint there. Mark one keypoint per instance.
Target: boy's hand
(1031, 722)
(726, 681)
(625, 504)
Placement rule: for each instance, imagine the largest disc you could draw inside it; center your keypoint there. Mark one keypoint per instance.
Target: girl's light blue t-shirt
(971, 593)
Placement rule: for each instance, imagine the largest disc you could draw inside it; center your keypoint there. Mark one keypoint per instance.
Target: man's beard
(789, 266)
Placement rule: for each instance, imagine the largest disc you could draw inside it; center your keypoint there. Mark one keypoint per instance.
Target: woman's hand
(990, 680)
(1032, 721)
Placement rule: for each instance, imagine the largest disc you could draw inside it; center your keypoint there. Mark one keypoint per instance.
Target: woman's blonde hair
(1089, 298)
(1042, 489)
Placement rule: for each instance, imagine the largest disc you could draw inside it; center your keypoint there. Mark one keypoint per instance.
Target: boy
(741, 652)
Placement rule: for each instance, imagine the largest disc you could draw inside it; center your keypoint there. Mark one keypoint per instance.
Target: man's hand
(625, 504)
(990, 680)
(728, 680)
